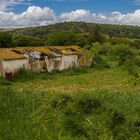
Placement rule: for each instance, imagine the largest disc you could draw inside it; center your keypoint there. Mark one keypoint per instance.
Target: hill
(123, 31)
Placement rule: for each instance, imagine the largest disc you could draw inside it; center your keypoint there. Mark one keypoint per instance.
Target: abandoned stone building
(39, 59)
(11, 62)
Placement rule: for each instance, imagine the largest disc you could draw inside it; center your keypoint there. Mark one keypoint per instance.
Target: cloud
(35, 16)
(77, 15)
(109, 18)
(5, 4)
(136, 1)
(66, 0)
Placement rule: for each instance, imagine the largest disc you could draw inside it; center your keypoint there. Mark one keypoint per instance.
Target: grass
(72, 81)
(76, 104)
(100, 114)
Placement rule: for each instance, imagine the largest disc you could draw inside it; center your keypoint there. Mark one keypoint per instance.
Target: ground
(92, 79)
(76, 104)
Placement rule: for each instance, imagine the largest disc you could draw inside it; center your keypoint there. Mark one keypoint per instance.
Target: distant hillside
(123, 31)
(6, 30)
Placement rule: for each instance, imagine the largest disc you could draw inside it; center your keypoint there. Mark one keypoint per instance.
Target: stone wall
(13, 65)
(61, 63)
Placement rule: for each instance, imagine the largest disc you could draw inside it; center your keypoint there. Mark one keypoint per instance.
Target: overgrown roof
(52, 50)
(9, 54)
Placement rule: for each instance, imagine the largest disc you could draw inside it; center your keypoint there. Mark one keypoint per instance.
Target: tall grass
(91, 115)
(28, 75)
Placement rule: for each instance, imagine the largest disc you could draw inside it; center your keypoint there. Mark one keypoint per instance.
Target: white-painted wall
(51, 63)
(13, 65)
(61, 63)
(69, 61)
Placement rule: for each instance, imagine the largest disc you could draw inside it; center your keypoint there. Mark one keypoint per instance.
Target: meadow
(97, 103)
(76, 104)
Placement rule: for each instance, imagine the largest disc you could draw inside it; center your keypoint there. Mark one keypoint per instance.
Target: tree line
(71, 33)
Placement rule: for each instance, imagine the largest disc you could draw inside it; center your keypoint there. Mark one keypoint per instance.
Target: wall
(61, 63)
(69, 61)
(53, 63)
(1, 68)
(14, 65)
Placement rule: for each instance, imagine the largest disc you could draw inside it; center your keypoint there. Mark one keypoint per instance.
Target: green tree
(66, 38)
(98, 36)
(124, 52)
(6, 40)
(24, 40)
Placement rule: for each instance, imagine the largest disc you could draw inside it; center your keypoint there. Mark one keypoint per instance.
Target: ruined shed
(51, 58)
(11, 62)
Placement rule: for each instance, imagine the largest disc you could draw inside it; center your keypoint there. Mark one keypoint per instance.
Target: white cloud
(78, 15)
(111, 18)
(5, 4)
(35, 15)
(136, 1)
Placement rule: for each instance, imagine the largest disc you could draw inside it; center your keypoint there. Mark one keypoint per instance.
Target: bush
(24, 75)
(66, 38)
(136, 44)
(4, 82)
(137, 60)
(118, 41)
(100, 65)
(124, 52)
(75, 71)
(6, 40)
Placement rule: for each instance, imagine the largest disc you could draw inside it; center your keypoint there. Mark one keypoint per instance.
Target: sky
(26, 13)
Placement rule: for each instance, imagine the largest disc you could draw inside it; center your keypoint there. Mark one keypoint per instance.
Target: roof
(7, 54)
(11, 53)
(51, 50)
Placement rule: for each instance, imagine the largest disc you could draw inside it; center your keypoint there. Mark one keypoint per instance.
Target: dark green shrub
(24, 75)
(87, 104)
(117, 40)
(75, 71)
(6, 40)
(137, 60)
(136, 126)
(101, 65)
(124, 52)
(4, 82)
(62, 101)
(136, 44)
(66, 38)
(117, 119)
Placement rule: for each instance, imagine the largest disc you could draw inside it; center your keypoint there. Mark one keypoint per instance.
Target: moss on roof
(52, 50)
(8, 54)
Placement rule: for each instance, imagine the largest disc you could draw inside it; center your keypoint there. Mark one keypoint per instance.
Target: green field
(97, 103)
(76, 104)
(78, 80)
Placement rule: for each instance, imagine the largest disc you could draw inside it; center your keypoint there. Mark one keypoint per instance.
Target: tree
(66, 38)
(124, 52)
(6, 40)
(98, 36)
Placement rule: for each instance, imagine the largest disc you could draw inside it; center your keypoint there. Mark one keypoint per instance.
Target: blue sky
(60, 6)
(24, 13)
